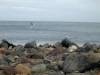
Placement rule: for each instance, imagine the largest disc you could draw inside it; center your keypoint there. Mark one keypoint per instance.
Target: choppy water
(21, 32)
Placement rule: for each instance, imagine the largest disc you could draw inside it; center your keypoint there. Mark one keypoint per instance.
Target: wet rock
(67, 43)
(75, 62)
(31, 45)
(88, 47)
(6, 44)
(39, 68)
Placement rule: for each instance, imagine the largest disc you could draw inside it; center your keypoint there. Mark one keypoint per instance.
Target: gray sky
(50, 10)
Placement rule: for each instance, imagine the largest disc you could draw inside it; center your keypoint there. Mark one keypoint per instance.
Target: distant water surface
(24, 31)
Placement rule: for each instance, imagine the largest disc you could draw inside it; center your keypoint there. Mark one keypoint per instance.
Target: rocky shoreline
(61, 58)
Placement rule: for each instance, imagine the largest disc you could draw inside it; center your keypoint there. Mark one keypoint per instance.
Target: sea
(21, 32)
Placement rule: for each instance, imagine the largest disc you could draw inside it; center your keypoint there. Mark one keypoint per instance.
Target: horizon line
(48, 21)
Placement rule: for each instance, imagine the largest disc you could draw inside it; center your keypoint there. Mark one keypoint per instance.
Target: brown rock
(2, 50)
(9, 71)
(93, 57)
(22, 69)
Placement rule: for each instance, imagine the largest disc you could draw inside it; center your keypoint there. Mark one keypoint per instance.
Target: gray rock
(87, 47)
(31, 50)
(75, 62)
(67, 43)
(56, 73)
(35, 56)
(3, 61)
(31, 45)
(39, 68)
(57, 44)
(93, 57)
(10, 59)
(19, 50)
(53, 67)
(34, 53)
(6, 44)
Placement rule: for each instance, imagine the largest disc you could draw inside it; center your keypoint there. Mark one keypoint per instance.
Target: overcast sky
(50, 10)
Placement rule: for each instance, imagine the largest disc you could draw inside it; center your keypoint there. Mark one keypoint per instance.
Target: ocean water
(24, 31)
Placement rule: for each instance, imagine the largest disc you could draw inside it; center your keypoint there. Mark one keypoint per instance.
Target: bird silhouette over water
(32, 26)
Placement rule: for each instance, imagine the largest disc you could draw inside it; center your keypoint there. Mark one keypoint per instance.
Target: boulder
(93, 57)
(75, 62)
(56, 54)
(31, 45)
(3, 60)
(3, 50)
(53, 66)
(34, 53)
(87, 47)
(39, 68)
(67, 43)
(19, 50)
(22, 69)
(9, 59)
(31, 51)
(6, 44)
